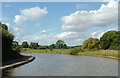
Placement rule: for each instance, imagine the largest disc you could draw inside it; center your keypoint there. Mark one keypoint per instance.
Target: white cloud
(65, 35)
(73, 38)
(37, 24)
(99, 33)
(43, 32)
(70, 38)
(83, 20)
(82, 6)
(35, 13)
(11, 29)
(115, 29)
(8, 24)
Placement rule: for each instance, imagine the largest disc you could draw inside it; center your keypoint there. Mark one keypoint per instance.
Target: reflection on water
(66, 65)
(7, 73)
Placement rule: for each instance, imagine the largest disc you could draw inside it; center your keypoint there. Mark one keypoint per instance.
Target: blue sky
(51, 24)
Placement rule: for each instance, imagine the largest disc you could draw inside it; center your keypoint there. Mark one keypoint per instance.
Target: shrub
(91, 43)
(76, 51)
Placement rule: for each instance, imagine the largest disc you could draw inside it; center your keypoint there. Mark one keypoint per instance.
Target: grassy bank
(101, 53)
(55, 51)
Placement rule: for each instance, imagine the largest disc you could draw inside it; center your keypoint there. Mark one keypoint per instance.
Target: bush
(91, 43)
(76, 51)
(110, 40)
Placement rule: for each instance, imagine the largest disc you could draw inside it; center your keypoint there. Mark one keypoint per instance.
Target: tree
(34, 45)
(25, 44)
(59, 44)
(15, 44)
(52, 46)
(7, 39)
(110, 40)
(91, 43)
(65, 46)
(4, 26)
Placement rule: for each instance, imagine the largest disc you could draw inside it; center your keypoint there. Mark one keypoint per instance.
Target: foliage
(4, 26)
(15, 44)
(25, 44)
(76, 51)
(7, 40)
(60, 44)
(52, 46)
(91, 43)
(34, 45)
(110, 40)
(65, 46)
(41, 47)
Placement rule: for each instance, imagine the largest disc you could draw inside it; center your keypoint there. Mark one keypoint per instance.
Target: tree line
(109, 40)
(60, 44)
(10, 48)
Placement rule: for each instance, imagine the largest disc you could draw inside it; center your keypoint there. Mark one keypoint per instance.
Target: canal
(66, 65)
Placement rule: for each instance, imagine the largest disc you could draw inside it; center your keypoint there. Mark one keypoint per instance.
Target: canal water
(66, 65)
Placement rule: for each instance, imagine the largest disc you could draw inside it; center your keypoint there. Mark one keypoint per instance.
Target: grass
(101, 53)
(55, 51)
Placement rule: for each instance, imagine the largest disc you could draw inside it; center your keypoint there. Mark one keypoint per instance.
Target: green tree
(15, 44)
(65, 46)
(91, 43)
(59, 44)
(34, 45)
(25, 44)
(4, 26)
(53, 46)
(7, 39)
(110, 40)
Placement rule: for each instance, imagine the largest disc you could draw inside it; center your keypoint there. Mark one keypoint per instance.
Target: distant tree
(65, 46)
(110, 40)
(59, 44)
(41, 47)
(91, 43)
(34, 45)
(15, 44)
(52, 46)
(25, 44)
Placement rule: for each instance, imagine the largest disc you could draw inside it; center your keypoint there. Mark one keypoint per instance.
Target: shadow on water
(7, 73)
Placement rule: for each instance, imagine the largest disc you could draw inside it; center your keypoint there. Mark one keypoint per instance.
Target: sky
(47, 22)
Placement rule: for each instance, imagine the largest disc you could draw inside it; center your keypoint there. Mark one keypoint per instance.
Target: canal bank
(16, 62)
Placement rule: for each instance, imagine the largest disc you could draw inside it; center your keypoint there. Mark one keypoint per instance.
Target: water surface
(66, 65)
